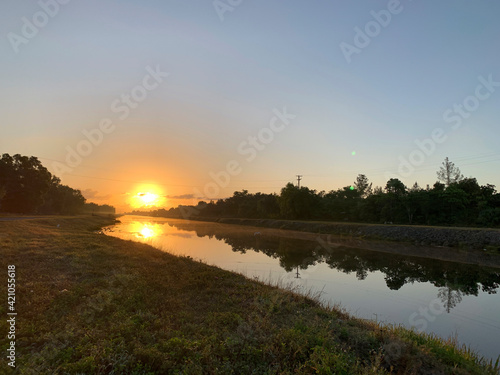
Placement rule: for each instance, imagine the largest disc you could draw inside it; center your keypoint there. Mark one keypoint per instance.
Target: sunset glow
(147, 199)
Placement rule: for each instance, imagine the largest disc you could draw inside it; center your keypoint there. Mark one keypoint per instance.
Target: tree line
(452, 200)
(27, 187)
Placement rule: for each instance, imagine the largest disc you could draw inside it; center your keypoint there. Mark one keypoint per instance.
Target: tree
(26, 182)
(3, 191)
(393, 210)
(268, 206)
(396, 187)
(450, 297)
(411, 203)
(415, 187)
(373, 205)
(106, 208)
(449, 173)
(454, 204)
(26, 186)
(61, 199)
(297, 203)
(363, 186)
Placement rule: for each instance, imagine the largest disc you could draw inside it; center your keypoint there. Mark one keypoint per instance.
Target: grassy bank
(89, 303)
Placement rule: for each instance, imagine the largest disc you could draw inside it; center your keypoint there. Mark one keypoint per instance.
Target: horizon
(188, 101)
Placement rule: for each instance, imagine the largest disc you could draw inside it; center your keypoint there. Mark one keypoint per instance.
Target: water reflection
(143, 230)
(453, 280)
(450, 297)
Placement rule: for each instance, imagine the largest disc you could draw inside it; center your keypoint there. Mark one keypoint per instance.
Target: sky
(196, 99)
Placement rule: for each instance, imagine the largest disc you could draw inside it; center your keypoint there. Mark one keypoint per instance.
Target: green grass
(93, 304)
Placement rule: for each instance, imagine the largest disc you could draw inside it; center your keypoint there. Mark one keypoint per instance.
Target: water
(441, 297)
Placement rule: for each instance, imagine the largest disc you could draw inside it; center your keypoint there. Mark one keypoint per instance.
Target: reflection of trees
(453, 279)
(450, 297)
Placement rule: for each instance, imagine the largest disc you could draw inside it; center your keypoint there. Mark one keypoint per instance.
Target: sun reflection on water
(146, 230)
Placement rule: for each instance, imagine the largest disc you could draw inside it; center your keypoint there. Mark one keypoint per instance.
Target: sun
(147, 199)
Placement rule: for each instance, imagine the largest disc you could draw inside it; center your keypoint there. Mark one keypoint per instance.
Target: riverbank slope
(473, 238)
(90, 303)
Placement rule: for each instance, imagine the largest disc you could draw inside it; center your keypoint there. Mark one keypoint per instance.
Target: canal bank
(467, 238)
(463, 245)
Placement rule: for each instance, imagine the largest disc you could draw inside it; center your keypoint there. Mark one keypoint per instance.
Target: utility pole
(299, 177)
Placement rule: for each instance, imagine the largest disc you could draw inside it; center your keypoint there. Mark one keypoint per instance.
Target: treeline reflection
(454, 280)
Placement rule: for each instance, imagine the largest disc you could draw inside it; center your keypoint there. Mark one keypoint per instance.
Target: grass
(92, 304)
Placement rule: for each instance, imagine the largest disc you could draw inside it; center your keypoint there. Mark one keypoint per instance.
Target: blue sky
(226, 77)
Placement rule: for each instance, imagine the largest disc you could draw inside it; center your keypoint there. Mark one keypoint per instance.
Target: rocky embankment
(471, 238)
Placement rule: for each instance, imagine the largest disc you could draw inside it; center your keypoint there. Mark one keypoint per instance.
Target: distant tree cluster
(27, 187)
(94, 208)
(456, 201)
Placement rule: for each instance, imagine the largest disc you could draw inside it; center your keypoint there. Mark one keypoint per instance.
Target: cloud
(183, 196)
